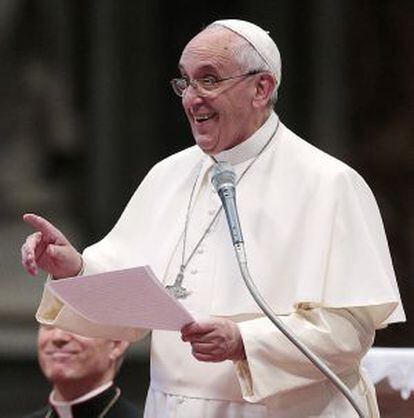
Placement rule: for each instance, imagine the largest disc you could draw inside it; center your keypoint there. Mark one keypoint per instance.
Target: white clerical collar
(64, 409)
(252, 145)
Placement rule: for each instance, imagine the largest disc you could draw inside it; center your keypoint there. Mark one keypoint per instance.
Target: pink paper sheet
(129, 298)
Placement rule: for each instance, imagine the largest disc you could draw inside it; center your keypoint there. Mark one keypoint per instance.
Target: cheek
(97, 359)
(239, 114)
(44, 364)
(185, 106)
(231, 116)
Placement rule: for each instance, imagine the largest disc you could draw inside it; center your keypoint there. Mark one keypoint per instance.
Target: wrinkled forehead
(211, 45)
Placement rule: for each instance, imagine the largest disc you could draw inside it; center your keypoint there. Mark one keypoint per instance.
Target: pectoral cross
(176, 289)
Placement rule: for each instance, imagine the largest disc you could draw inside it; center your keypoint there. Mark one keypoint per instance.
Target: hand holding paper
(214, 340)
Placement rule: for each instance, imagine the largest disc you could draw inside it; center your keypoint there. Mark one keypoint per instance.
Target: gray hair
(248, 58)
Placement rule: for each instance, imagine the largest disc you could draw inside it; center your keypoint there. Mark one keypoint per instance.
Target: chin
(208, 145)
(58, 376)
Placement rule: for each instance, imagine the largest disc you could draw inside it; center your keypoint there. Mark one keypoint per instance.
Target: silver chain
(176, 289)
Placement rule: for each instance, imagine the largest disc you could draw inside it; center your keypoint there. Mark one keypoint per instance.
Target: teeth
(201, 118)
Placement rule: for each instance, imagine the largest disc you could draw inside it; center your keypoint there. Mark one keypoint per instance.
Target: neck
(258, 121)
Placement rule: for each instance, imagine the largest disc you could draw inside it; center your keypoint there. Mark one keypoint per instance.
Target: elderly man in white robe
(314, 240)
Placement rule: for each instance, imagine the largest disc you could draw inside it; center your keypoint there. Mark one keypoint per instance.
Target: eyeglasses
(204, 85)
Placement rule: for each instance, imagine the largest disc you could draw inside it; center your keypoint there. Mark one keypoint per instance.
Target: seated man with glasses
(314, 240)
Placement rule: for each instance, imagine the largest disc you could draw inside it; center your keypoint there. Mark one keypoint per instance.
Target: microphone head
(223, 176)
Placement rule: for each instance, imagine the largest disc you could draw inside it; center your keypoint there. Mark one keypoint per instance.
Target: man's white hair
(249, 58)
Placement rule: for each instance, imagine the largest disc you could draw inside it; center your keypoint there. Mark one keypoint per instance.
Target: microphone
(224, 181)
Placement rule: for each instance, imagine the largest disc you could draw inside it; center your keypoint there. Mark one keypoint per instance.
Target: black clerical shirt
(93, 407)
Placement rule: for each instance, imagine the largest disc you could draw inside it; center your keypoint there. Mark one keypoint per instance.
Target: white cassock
(316, 249)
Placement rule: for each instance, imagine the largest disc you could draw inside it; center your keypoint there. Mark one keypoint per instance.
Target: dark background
(86, 109)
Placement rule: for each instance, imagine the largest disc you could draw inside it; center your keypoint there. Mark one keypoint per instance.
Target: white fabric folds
(316, 250)
(318, 242)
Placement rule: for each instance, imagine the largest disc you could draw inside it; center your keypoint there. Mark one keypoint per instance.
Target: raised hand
(49, 250)
(214, 340)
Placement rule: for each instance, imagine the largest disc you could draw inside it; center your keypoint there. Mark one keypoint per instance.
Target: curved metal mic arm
(224, 181)
(241, 258)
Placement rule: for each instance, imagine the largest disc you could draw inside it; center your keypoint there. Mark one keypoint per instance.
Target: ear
(265, 84)
(118, 349)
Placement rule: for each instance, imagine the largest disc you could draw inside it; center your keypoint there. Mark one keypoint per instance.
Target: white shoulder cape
(312, 228)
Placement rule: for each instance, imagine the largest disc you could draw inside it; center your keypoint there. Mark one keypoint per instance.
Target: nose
(60, 337)
(192, 95)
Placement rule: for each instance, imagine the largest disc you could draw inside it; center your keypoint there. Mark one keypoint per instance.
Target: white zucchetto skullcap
(260, 40)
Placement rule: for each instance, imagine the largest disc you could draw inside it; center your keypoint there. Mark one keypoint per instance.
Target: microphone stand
(242, 261)
(224, 182)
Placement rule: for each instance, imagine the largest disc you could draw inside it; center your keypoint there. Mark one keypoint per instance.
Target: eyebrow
(205, 67)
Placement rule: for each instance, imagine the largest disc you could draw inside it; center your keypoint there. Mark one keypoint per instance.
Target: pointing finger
(42, 225)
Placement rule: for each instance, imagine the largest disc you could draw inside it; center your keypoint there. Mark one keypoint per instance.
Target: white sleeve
(340, 337)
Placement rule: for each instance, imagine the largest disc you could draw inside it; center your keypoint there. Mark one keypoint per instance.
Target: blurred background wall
(86, 109)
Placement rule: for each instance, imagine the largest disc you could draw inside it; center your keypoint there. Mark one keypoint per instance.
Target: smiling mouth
(204, 117)
(58, 354)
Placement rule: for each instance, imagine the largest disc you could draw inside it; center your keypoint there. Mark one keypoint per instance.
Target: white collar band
(252, 145)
